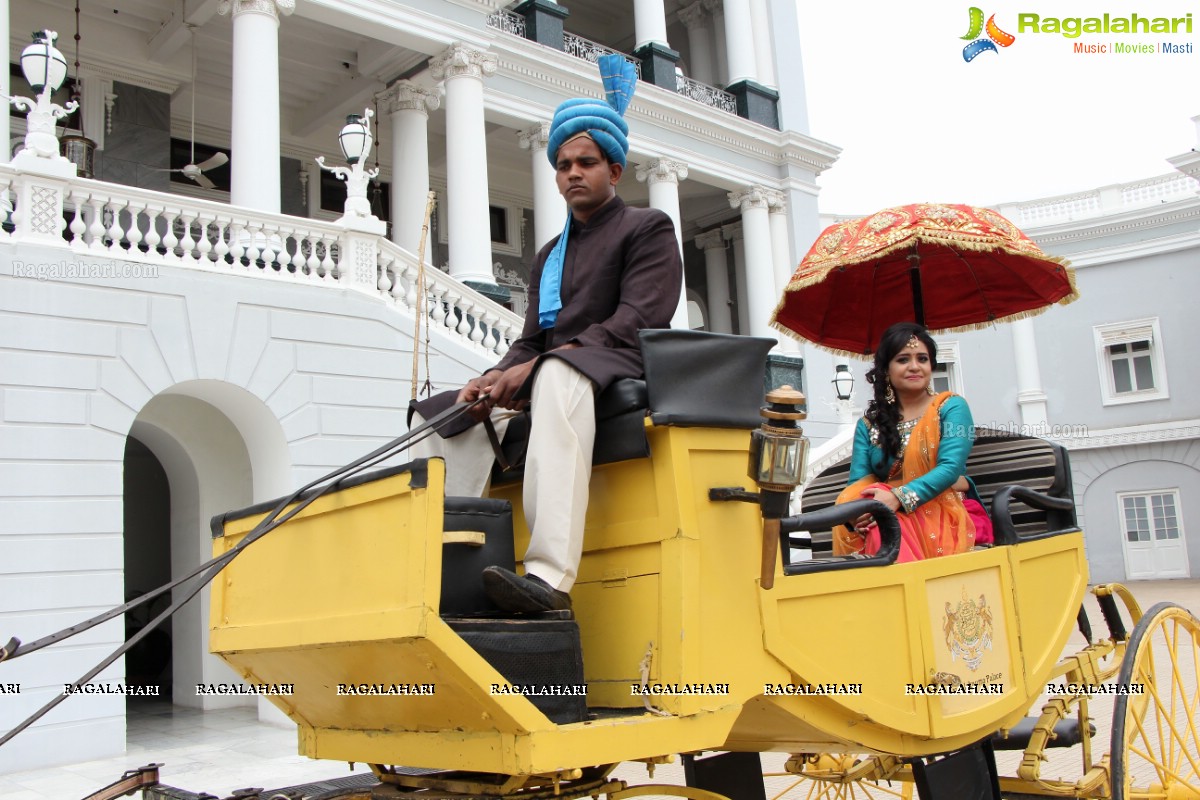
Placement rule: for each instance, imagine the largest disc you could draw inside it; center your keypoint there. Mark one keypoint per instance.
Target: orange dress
(938, 527)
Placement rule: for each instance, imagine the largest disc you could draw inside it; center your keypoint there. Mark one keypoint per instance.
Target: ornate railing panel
(590, 51)
(708, 95)
(508, 22)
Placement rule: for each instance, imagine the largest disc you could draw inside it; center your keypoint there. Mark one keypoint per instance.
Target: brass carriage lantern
(778, 454)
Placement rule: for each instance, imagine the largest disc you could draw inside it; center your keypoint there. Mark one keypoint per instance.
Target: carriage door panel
(976, 671)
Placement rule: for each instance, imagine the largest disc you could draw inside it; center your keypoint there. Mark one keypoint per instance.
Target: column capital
(535, 137)
(732, 231)
(750, 197)
(714, 7)
(460, 61)
(711, 240)
(408, 96)
(662, 170)
(694, 16)
(272, 8)
(776, 201)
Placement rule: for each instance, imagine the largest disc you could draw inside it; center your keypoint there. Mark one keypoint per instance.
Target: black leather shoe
(523, 593)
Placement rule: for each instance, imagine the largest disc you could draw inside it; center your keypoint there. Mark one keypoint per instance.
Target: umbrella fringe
(975, 326)
(796, 284)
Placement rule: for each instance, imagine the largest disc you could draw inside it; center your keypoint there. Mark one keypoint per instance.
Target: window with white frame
(1130, 357)
(947, 377)
(1151, 516)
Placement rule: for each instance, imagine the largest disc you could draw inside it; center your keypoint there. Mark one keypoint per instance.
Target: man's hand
(507, 384)
(475, 388)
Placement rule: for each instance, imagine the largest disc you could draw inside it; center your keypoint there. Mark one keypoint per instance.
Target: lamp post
(45, 69)
(355, 140)
(358, 266)
(843, 382)
(843, 390)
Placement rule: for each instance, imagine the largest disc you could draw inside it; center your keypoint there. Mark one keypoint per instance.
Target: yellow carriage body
(347, 593)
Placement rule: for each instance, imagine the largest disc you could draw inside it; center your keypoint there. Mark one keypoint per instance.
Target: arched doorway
(147, 563)
(218, 448)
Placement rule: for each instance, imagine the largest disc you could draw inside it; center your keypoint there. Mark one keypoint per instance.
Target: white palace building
(181, 336)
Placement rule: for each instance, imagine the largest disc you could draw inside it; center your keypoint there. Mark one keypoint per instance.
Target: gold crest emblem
(968, 630)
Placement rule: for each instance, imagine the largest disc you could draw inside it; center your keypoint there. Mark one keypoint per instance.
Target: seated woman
(910, 453)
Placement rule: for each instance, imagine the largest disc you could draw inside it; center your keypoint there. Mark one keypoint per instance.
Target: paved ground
(221, 751)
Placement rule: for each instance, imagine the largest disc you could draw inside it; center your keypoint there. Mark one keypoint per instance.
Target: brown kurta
(622, 272)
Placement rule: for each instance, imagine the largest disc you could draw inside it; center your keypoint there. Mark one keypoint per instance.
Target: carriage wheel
(1155, 746)
(826, 777)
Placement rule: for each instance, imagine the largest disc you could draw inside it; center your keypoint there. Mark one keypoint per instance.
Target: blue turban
(595, 118)
(604, 123)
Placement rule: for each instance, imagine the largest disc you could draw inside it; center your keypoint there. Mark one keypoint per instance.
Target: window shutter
(1136, 333)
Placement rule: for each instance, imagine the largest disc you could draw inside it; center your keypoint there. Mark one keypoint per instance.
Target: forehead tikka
(913, 342)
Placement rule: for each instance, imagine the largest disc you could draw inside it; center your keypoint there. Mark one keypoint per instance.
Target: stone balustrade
(142, 226)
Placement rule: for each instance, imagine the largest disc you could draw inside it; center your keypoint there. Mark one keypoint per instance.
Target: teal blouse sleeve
(958, 434)
(860, 457)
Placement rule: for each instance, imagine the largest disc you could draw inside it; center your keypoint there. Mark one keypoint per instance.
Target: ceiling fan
(193, 170)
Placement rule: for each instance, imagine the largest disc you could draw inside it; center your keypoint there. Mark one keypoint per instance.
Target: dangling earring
(929, 390)
(889, 395)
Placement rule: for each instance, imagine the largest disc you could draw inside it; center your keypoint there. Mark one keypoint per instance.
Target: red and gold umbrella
(948, 267)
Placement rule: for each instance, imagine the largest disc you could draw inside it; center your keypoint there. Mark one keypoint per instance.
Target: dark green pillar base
(756, 102)
(491, 291)
(543, 22)
(784, 370)
(658, 65)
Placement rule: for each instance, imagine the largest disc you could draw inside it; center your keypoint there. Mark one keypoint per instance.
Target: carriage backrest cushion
(696, 378)
(998, 458)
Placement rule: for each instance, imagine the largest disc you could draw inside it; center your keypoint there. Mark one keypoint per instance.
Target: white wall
(253, 387)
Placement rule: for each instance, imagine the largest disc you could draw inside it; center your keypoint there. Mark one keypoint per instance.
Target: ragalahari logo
(994, 37)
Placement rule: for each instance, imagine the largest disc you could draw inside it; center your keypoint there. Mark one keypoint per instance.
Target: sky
(887, 82)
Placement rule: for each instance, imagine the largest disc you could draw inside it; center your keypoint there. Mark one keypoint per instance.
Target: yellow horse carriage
(700, 627)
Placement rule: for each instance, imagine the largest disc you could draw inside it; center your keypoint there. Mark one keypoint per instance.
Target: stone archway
(221, 449)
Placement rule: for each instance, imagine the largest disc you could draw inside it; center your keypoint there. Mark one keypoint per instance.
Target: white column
(5, 89)
(700, 55)
(733, 232)
(410, 105)
(649, 23)
(781, 254)
(739, 43)
(760, 264)
(764, 54)
(463, 69)
(549, 207)
(720, 59)
(663, 176)
(254, 135)
(311, 178)
(1030, 395)
(716, 272)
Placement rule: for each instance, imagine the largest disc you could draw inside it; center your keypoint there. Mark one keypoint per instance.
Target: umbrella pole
(914, 276)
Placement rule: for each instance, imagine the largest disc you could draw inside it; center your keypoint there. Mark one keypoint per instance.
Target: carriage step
(1066, 734)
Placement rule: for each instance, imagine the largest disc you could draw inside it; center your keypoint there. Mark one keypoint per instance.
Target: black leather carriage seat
(693, 378)
(998, 459)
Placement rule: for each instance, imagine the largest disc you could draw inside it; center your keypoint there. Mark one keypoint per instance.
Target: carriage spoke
(1159, 758)
(1164, 744)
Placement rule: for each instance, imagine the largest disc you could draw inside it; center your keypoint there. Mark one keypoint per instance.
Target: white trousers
(558, 468)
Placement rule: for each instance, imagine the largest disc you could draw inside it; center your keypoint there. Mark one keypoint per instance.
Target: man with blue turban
(612, 271)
